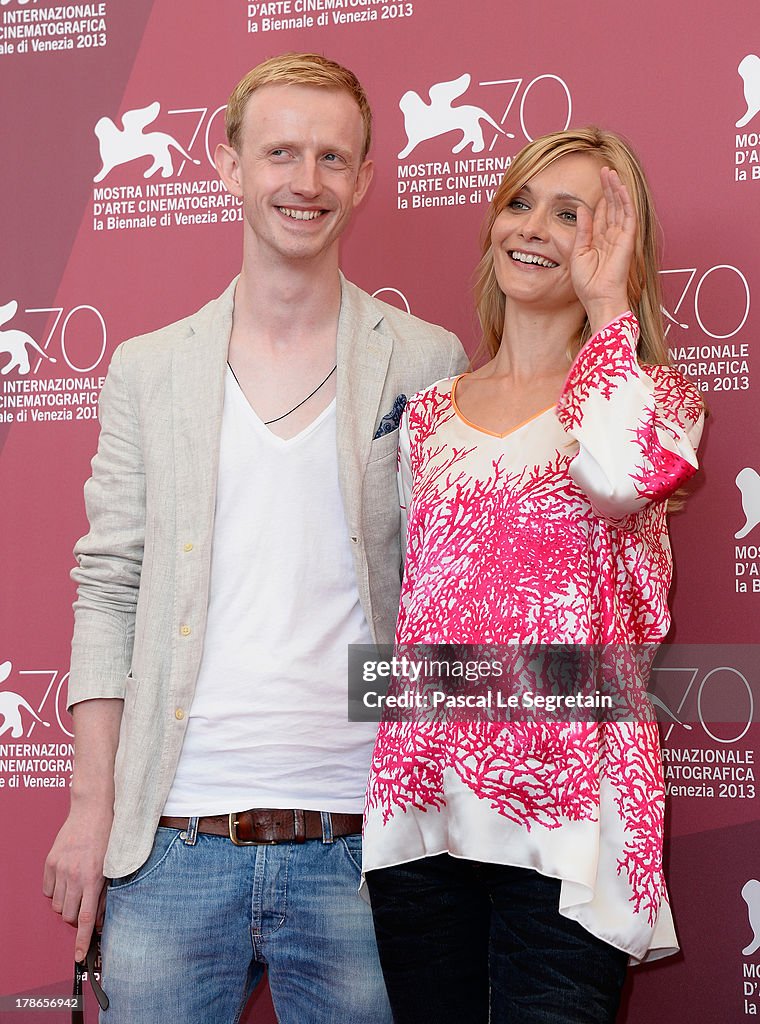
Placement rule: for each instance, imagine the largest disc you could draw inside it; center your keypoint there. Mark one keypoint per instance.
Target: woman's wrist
(601, 314)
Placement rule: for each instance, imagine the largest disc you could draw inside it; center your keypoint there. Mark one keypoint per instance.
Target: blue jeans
(189, 935)
(464, 941)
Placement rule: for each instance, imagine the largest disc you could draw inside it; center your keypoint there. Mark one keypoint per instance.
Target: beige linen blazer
(143, 568)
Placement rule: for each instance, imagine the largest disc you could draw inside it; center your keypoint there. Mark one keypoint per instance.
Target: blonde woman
(515, 868)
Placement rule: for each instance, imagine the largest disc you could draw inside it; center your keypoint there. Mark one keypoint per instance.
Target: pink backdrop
(90, 264)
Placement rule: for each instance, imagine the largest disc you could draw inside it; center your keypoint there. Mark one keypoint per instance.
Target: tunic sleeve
(637, 429)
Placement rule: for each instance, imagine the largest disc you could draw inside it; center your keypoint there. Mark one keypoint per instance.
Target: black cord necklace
(277, 419)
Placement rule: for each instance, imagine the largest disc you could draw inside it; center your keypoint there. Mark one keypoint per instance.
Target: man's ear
(363, 180)
(227, 164)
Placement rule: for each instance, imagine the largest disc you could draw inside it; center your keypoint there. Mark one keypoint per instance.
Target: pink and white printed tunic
(553, 533)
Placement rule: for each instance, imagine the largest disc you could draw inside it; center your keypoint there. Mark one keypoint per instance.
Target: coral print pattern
(553, 534)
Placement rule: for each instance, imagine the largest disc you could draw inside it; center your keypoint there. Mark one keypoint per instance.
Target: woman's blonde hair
(644, 291)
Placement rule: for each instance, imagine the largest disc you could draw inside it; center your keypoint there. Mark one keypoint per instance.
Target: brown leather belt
(268, 826)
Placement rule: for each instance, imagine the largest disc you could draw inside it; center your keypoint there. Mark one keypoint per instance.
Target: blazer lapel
(199, 364)
(363, 355)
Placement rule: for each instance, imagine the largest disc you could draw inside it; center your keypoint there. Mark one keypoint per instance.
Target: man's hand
(73, 878)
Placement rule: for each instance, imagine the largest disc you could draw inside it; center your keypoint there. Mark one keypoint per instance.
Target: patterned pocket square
(391, 420)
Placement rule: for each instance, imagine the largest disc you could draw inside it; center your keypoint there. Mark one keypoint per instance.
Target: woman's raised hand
(603, 251)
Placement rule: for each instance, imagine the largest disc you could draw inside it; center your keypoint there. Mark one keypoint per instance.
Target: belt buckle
(232, 829)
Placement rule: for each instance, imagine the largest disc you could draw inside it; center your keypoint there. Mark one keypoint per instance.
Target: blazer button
(179, 714)
(185, 630)
(188, 547)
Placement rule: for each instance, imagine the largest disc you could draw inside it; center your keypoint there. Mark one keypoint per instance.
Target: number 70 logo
(722, 687)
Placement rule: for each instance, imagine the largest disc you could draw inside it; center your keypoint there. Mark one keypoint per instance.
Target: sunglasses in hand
(89, 967)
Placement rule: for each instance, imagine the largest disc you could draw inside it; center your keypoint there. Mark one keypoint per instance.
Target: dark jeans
(450, 930)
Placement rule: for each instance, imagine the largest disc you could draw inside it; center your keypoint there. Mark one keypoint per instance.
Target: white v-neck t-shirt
(268, 724)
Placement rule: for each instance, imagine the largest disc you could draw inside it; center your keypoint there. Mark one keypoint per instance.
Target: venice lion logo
(751, 896)
(748, 482)
(123, 145)
(11, 706)
(749, 69)
(16, 344)
(423, 121)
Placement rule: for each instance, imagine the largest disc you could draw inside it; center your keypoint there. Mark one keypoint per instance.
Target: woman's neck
(537, 344)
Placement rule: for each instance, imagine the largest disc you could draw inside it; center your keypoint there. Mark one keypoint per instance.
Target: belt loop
(190, 835)
(327, 832)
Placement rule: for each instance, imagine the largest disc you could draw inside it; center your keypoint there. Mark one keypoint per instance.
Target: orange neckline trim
(485, 430)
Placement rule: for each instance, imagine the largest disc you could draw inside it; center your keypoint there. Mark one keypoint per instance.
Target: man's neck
(283, 340)
(287, 300)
